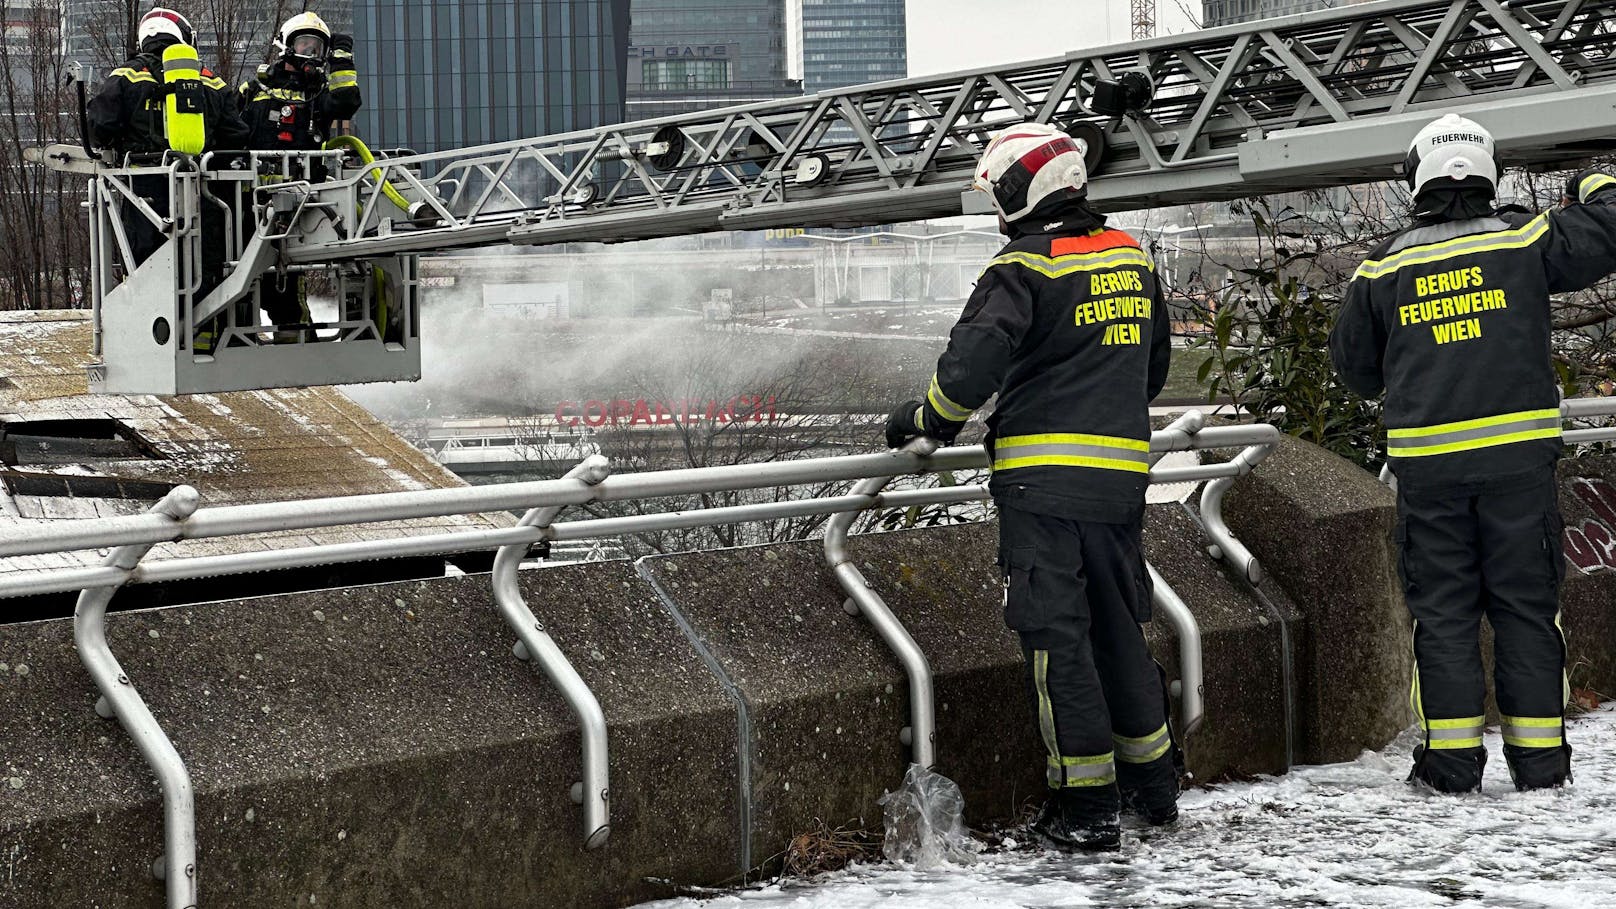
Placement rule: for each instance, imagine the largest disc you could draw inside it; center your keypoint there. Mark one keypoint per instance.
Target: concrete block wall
(380, 746)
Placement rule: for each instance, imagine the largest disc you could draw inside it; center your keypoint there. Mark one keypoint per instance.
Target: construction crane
(1144, 19)
(1326, 99)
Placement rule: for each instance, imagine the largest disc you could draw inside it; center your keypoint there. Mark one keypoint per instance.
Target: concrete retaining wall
(379, 746)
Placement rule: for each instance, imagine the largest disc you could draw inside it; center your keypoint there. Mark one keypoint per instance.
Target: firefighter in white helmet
(294, 104)
(1067, 327)
(164, 100)
(308, 85)
(1451, 319)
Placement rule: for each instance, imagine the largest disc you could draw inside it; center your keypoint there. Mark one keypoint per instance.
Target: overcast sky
(949, 35)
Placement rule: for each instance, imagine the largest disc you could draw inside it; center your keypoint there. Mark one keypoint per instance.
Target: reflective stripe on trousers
(1533, 731)
(1464, 732)
(1468, 435)
(1068, 449)
(1065, 770)
(1144, 749)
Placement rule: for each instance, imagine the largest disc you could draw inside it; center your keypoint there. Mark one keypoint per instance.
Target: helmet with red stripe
(162, 21)
(1027, 164)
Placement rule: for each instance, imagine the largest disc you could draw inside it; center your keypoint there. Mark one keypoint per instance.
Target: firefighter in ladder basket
(163, 100)
(295, 104)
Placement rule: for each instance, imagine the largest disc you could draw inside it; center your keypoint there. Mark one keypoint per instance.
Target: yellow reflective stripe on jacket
(1462, 732)
(213, 82)
(1061, 266)
(133, 75)
(277, 94)
(344, 78)
(1593, 183)
(944, 405)
(1069, 449)
(1492, 241)
(1533, 731)
(1468, 435)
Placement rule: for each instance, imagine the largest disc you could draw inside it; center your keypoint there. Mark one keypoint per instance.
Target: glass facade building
(1227, 12)
(689, 55)
(851, 42)
(443, 74)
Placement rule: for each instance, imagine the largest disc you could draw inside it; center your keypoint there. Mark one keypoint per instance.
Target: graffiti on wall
(1591, 545)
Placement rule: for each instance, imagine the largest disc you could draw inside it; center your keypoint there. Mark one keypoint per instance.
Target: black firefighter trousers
(1496, 553)
(1076, 592)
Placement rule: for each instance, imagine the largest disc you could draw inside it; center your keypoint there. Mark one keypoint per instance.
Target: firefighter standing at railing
(294, 104)
(1068, 328)
(163, 100)
(1452, 318)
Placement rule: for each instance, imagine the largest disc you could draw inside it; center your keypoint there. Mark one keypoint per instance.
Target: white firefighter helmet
(304, 35)
(164, 21)
(1451, 148)
(1027, 163)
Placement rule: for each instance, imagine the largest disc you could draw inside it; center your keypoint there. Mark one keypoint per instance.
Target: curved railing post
(920, 735)
(533, 643)
(1191, 690)
(1225, 545)
(120, 700)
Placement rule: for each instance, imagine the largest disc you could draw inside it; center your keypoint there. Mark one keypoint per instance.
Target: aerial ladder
(1319, 100)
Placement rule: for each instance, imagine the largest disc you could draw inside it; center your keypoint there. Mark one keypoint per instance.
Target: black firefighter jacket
(1068, 328)
(126, 114)
(288, 110)
(1452, 319)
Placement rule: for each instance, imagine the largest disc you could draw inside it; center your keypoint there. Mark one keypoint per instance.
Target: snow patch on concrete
(1344, 835)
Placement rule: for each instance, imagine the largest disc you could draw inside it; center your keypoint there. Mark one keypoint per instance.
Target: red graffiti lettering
(1592, 546)
(1599, 495)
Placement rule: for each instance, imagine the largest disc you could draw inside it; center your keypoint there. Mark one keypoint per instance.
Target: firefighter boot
(1538, 768)
(1449, 769)
(1150, 790)
(1080, 819)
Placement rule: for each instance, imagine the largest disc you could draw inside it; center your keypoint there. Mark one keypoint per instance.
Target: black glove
(903, 426)
(1574, 188)
(342, 43)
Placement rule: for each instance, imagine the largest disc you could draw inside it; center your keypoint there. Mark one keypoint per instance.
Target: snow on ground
(1341, 835)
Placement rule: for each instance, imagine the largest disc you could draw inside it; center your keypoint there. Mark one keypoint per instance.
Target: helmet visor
(308, 45)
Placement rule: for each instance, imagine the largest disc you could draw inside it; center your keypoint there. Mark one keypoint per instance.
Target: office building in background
(852, 42)
(442, 74)
(690, 55)
(1228, 12)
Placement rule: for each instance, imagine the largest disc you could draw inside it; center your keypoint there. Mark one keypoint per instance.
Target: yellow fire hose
(358, 147)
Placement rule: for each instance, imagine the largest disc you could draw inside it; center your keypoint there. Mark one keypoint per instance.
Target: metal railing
(178, 517)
